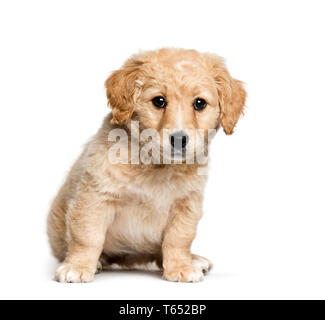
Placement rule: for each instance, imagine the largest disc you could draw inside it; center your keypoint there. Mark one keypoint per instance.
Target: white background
(264, 207)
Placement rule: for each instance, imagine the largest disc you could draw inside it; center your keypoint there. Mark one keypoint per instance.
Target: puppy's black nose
(178, 140)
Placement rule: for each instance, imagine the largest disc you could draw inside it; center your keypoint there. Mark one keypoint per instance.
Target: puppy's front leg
(178, 237)
(87, 223)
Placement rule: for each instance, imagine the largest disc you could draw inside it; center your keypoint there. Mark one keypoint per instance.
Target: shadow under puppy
(145, 214)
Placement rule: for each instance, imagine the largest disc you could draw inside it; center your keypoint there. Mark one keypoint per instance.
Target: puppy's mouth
(178, 153)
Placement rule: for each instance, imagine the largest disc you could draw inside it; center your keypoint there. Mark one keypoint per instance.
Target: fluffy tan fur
(129, 214)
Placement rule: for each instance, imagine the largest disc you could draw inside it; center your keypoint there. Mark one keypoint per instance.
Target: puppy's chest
(140, 221)
(143, 213)
(159, 195)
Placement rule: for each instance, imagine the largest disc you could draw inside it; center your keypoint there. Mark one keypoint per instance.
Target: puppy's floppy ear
(233, 106)
(121, 87)
(232, 95)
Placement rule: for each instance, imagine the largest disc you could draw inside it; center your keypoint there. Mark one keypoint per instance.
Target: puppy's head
(176, 91)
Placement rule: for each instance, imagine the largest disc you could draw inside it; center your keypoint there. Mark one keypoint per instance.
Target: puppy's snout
(179, 140)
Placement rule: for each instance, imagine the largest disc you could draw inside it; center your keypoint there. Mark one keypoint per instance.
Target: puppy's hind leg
(56, 228)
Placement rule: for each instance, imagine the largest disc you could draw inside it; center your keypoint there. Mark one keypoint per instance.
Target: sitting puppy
(143, 210)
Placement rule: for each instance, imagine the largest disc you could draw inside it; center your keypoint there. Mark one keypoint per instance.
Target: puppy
(143, 210)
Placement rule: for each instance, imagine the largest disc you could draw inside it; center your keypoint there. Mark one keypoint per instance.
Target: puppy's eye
(159, 102)
(199, 104)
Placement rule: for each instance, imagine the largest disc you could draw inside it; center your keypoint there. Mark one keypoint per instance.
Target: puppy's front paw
(69, 273)
(184, 274)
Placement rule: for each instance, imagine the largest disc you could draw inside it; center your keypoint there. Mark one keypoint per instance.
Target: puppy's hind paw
(202, 263)
(69, 273)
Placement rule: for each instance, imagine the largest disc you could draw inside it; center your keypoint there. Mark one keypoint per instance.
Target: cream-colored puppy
(133, 213)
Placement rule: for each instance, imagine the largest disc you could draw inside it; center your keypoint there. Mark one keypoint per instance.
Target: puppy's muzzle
(178, 141)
